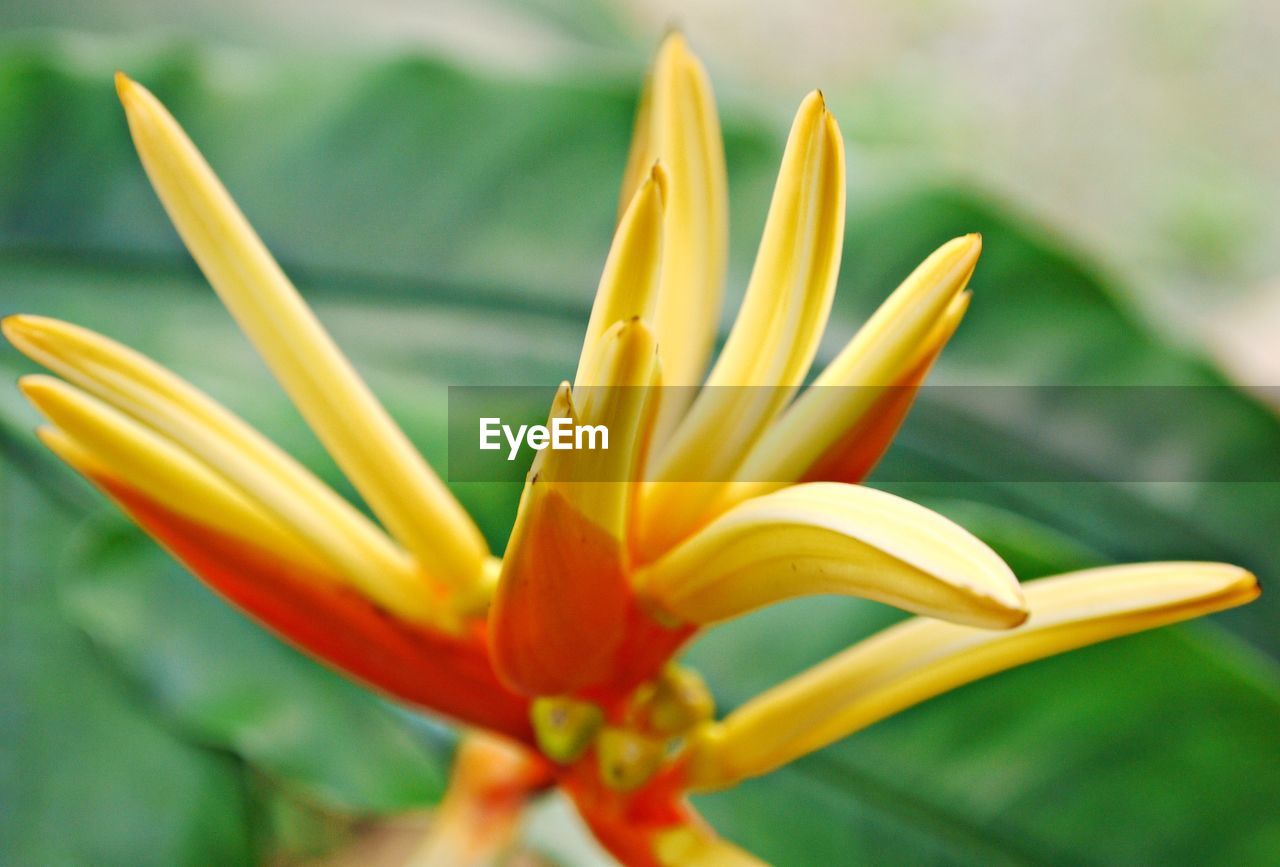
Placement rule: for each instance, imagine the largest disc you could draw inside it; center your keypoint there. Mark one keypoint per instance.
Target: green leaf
(408, 177)
(323, 738)
(86, 775)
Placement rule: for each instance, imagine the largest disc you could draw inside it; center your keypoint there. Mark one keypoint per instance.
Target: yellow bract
(916, 660)
(774, 338)
(907, 328)
(243, 460)
(374, 453)
(831, 538)
(698, 847)
(598, 482)
(106, 445)
(677, 125)
(629, 286)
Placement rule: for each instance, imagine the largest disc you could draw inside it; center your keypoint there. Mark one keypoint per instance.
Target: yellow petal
(374, 453)
(166, 404)
(906, 329)
(598, 482)
(832, 538)
(776, 334)
(629, 285)
(677, 125)
(101, 443)
(697, 846)
(916, 660)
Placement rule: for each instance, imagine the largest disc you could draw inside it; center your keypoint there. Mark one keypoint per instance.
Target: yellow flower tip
(52, 437)
(659, 178)
(34, 335)
(132, 95)
(391, 476)
(1237, 586)
(41, 389)
(674, 43)
(998, 604)
(813, 108)
(18, 331)
(124, 86)
(56, 440)
(1010, 615)
(966, 249)
(28, 332)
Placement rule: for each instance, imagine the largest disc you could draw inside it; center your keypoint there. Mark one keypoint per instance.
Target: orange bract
(559, 618)
(443, 673)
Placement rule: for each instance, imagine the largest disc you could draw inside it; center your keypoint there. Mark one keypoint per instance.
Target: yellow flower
(565, 647)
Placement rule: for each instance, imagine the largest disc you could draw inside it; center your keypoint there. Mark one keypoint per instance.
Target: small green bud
(680, 701)
(627, 758)
(564, 727)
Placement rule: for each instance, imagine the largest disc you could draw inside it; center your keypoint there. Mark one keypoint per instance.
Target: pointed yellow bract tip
(126, 87)
(17, 329)
(957, 258)
(38, 387)
(31, 335)
(673, 41)
(659, 178)
(969, 245)
(835, 538)
(813, 103)
(72, 453)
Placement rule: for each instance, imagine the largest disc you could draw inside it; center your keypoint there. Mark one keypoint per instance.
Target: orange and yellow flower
(565, 647)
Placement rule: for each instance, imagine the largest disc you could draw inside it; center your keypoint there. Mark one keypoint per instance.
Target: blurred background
(439, 177)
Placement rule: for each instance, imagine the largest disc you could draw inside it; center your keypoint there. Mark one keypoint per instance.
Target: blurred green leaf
(86, 775)
(322, 737)
(404, 177)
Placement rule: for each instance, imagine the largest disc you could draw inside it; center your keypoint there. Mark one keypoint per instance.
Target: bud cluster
(628, 750)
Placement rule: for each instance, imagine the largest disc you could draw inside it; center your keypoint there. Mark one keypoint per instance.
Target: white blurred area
(1147, 132)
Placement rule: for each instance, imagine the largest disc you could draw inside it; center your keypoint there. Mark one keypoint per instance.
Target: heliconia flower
(565, 648)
